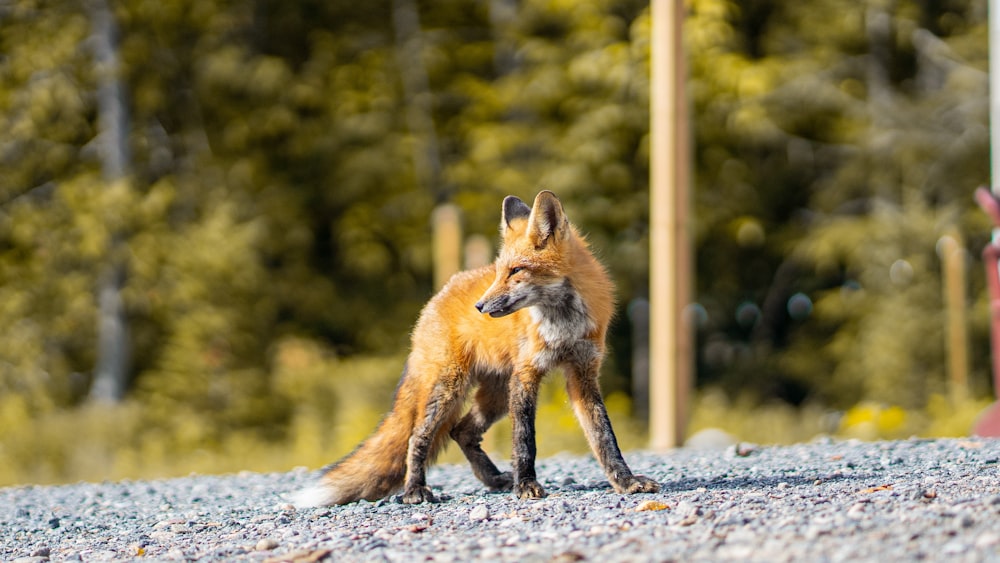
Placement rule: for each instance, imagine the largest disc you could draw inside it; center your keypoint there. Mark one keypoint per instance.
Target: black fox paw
(502, 482)
(636, 484)
(528, 490)
(418, 495)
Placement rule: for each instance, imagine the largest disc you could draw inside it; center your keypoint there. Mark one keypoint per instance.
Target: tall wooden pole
(952, 254)
(670, 255)
(446, 232)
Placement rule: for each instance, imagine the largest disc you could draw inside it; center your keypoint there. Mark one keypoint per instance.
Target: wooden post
(670, 256)
(953, 274)
(478, 252)
(447, 241)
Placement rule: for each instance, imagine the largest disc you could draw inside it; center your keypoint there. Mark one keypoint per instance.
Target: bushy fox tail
(377, 467)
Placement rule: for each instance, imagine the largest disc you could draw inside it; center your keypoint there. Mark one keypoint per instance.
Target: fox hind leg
(489, 405)
(440, 411)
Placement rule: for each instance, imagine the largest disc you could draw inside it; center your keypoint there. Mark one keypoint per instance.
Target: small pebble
(266, 544)
(479, 513)
(988, 539)
(857, 511)
(651, 505)
(964, 521)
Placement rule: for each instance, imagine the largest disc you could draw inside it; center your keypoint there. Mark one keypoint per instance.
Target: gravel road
(907, 500)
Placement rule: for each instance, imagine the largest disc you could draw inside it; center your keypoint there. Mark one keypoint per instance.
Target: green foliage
(744, 418)
(777, 422)
(273, 225)
(830, 160)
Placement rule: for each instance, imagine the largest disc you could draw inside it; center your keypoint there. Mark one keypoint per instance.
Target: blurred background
(215, 215)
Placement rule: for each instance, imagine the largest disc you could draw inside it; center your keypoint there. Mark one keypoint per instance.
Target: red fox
(544, 303)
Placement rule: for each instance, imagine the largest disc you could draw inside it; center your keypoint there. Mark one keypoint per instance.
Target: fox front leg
(523, 401)
(585, 395)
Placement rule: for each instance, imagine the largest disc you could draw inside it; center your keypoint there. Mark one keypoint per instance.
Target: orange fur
(545, 302)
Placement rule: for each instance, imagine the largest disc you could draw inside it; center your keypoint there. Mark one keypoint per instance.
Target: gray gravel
(825, 501)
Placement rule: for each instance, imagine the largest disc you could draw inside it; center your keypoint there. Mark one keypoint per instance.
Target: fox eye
(515, 270)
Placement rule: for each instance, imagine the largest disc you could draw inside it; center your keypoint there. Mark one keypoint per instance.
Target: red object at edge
(988, 423)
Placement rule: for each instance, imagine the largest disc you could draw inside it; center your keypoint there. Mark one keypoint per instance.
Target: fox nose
(479, 306)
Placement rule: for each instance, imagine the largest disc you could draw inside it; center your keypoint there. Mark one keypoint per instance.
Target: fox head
(533, 259)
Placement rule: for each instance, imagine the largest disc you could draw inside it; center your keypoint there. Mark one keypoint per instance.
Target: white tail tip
(313, 497)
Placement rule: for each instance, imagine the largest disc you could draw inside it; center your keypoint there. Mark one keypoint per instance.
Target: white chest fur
(562, 323)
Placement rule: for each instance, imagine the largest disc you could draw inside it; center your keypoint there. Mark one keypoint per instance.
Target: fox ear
(513, 208)
(547, 219)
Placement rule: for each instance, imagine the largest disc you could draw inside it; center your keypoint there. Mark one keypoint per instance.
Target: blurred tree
(272, 194)
(830, 160)
(47, 242)
(110, 371)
